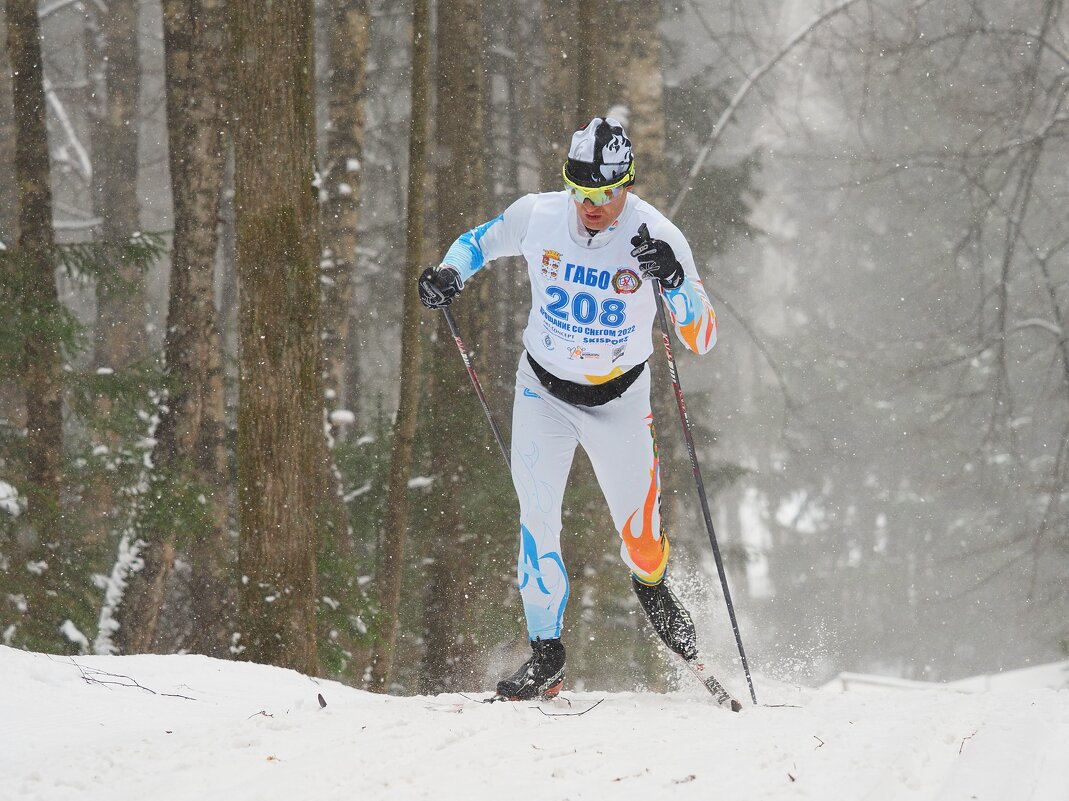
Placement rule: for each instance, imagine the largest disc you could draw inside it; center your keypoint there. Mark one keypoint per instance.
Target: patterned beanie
(600, 153)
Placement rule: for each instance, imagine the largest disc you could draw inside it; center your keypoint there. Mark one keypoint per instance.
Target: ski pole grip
(644, 232)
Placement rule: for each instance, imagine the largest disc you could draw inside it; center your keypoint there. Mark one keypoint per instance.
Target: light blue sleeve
(501, 236)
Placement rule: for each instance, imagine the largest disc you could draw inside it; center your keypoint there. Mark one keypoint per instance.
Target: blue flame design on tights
(542, 578)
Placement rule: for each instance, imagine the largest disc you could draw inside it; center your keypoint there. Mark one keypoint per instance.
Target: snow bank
(170, 728)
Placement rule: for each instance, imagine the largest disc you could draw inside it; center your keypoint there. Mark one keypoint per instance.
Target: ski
(699, 668)
(547, 694)
(696, 665)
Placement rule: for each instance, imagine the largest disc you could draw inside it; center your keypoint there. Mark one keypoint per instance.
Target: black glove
(438, 286)
(656, 259)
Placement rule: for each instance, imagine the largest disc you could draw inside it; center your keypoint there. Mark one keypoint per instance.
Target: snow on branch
(59, 5)
(1038, 322)
(84, 164)
(129, 561)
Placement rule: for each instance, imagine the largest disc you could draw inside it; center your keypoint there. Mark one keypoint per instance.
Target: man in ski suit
(597, 255)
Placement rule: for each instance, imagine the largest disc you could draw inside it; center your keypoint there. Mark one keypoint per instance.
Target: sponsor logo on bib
(581, 353)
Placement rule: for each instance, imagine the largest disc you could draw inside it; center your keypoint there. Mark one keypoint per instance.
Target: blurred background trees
(884, 425)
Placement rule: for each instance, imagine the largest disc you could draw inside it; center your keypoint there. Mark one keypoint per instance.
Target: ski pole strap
(585, 394)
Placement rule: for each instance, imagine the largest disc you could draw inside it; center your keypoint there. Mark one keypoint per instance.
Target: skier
(596, 253)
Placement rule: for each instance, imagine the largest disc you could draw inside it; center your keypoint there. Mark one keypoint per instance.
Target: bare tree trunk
(112, 95)
(119, 334)
(350, 24)
(642, 92)
(42, 354)
(230, 301)
(631, 86)
(11, 405)
(461, 185)
(628, 66)
(190, 450)
(392, 561)
(281, 447)
(195, 430)
(561, 113)
(339, 207)
(8, 193)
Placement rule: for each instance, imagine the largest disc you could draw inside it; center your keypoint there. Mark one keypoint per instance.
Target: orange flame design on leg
(647, 549)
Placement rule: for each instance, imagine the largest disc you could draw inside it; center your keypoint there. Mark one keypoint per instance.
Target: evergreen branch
(100, 259)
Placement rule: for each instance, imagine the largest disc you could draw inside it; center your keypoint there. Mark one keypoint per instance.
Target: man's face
(598, 218)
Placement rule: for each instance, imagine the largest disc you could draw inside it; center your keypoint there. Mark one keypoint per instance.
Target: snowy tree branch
(747, 85)
(84, 164)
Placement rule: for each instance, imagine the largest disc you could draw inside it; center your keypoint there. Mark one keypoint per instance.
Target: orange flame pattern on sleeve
(691, 333)
(693, 316)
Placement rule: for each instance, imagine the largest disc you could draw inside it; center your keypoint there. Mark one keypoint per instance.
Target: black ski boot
(541, 676)
(670, 620)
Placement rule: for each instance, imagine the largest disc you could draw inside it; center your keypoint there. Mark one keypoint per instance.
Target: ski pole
(452, 323)
(689, 437)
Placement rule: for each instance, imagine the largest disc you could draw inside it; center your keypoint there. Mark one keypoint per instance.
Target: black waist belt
(583, 394)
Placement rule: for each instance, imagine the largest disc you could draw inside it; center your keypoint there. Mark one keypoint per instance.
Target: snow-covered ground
(189, 727)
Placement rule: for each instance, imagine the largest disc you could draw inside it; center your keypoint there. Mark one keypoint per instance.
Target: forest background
(227, 427)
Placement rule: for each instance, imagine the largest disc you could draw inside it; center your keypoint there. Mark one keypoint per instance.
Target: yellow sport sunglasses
(598, 195)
